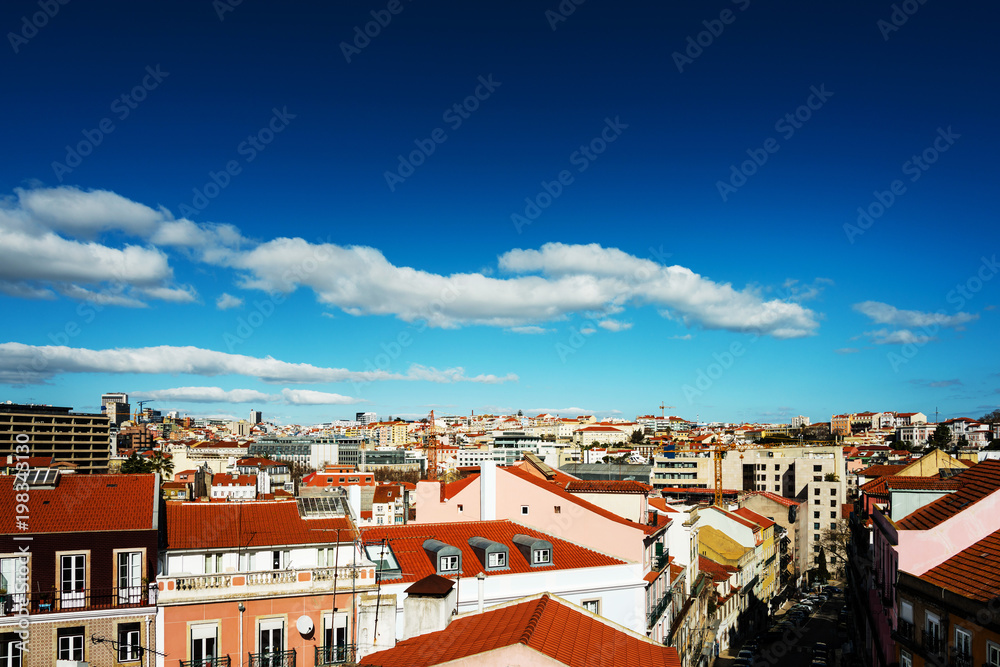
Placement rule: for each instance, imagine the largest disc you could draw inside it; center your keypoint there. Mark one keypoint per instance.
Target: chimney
(428, 605)
(487, 490)
(481, 578)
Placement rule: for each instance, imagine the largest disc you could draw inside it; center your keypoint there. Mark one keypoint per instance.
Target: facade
(75, 568)
(70, 437)
(115, 406)
(262, 583)
(311, 452)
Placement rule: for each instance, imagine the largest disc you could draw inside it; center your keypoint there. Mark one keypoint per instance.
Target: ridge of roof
(977, 482)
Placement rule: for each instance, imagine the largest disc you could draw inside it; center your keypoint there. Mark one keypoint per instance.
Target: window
(558, 509)
(776, 467)
(816, 501)
(10, 650)
(524, 509)
(593, 606)
(833, 503)
(816, 492)
(815, 515)
(777, 478)
(815, 526)
(818, 468)
(992, 654)
(271, 637)
(833, 526)
(461, 508)
(777, 488)
(833, 515)
(963, 642)
(72, 580)
(833, 492)
(449, 563)
(816, 548)
(541, 556)
(16, 587)
(70, 643)
(497, 559)
(905, 659)
(129, 646)
(817, 478)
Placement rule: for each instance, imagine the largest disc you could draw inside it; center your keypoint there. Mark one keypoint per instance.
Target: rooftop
(544, 623)
(976, 483)
(973, 572)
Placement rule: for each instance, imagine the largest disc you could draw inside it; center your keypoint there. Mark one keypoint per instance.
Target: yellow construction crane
(718, 451)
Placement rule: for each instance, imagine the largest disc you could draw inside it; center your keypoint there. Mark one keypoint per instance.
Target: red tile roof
(661, 504)
(83, 503)
(787, 502)
(922, 483)
(559, 491)
(881, 470)
(544, 623)
(249, 524)
(719, 571)
(761, 521)
(976, 482)
(386, 494)
(449, 491)
(407, 542)
(606, 486)
(222, 479)
(973, 572)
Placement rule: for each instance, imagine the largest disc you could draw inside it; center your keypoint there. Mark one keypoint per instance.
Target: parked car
(747, 655)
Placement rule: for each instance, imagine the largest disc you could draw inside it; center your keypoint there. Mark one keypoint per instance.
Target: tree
(994, 445)
(134, 465)
(834, 541)
(821, 572)
(831, 477)
(990, 417)
(159, 462)
(638, 437)
(941, 437)
(520, 414)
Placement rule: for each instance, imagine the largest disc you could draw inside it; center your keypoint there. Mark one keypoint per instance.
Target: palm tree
(162, 463)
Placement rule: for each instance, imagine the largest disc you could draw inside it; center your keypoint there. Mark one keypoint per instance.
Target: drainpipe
(481, 577)
(242, 609)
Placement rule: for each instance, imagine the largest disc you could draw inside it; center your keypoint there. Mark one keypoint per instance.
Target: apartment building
(68, 437)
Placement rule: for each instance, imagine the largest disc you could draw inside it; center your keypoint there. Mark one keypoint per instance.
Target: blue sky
(501, 206)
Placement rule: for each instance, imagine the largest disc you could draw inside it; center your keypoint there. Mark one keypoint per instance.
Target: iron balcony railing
(47, 602)
(660, 562)
(657, 610)
(273, 659)
(335, 655)
(221, 661)
(905, 629)
(931, 642)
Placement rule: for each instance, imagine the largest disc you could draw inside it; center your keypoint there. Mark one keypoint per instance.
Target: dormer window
(493, 555)
(537, 552)
(498, 559)
(446, 558)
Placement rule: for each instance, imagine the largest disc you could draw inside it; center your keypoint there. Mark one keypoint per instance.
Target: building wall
(81, 439)
(631, 506)
(43, 643)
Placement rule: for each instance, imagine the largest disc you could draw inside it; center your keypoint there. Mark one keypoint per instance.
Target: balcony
(654, 614)
(222, 661)
(959, 659)
(660, 562)
(183, 589)
(931, 642)
(272, 659)
(88, 599)
(335, 655)
(905, 630)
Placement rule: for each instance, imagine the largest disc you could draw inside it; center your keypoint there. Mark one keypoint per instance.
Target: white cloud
(576, 279)
(531, 329)
(684, 337)
(847, 350)
(227, 301)
(883, 313)
(586, 331)
(900, 337)
(310, 397)
(204, 395)
(32, 364)
(614, 325)
(86, 214)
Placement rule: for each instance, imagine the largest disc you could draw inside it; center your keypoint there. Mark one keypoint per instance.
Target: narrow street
(794, 647)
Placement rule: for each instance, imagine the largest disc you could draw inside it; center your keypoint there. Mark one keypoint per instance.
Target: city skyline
(745, 212)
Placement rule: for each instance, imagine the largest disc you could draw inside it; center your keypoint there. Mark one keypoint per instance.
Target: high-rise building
(256, 416)
(46, 430)
(115, 406)
(366, 418)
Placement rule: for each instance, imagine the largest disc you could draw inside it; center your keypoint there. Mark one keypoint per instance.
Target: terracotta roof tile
(546, 624)
(973, 572)
(929, 483)
(83, 503)
(761, 521)
(606, 486)
(407, 543)
(976, 483)
(881, 470)
(787, 502)
(249, 524)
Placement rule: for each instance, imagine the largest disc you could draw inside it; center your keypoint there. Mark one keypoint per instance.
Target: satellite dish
(304, 625)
